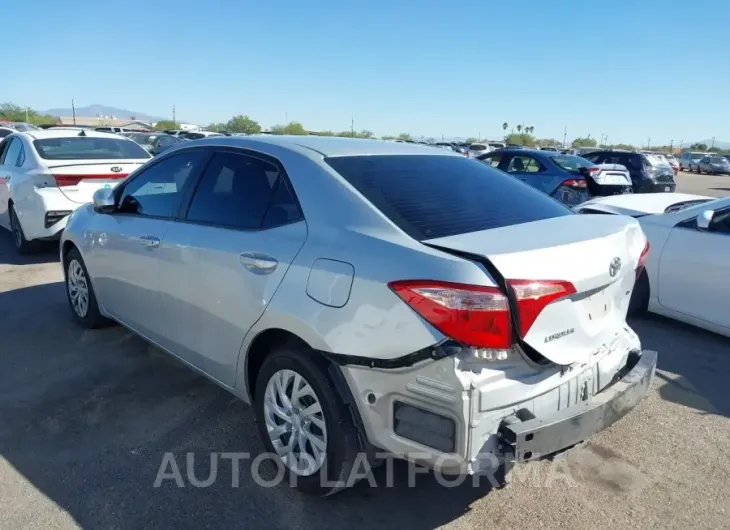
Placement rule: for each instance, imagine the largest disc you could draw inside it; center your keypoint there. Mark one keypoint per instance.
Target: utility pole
(600, 143)
(174, 121)
(648, 143)
(713, 143)
(565, 136)
(680, 144)
(73, 110)
(352, 127)
(671, 146)
(26, 114)
(286, 118)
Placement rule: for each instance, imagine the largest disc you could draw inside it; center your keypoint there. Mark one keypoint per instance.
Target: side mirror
(704, 219)
(104, 200)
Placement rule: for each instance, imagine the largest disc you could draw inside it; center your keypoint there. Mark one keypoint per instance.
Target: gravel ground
(86, 418)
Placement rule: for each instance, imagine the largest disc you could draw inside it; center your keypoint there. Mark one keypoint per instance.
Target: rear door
(533, 172)
(124, 259)
(224, 263)
(693, 270)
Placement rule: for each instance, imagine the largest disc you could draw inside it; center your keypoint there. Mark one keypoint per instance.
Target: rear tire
(22, 245)
(80, 292)
(639, 303)
(317, 449)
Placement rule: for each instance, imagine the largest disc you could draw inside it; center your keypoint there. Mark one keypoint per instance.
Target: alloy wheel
(78, 288)
(295, 422)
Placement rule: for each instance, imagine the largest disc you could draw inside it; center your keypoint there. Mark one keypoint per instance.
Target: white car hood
(639, 203)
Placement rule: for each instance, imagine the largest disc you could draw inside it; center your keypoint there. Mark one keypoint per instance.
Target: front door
(693, 270)
(223, 265)
(8, 160)
(124, 258)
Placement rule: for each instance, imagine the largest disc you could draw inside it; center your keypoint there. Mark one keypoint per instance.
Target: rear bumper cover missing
(538, 437)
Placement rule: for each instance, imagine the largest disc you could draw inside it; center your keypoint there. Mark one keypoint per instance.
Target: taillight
(480, 316)
(73, 180)
(533, 296)
(642, 258)
(471, 314)
(593, 171)
(574, 183)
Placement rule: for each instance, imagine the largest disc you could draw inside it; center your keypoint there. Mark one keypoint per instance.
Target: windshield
(717, 159)
(88, 148)
(572, 163)
(430, 196)
(477, 147)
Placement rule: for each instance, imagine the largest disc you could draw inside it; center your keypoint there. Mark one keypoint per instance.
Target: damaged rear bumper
(531, 438)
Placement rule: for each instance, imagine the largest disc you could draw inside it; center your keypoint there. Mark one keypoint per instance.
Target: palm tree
(519, 129)
(505, 125)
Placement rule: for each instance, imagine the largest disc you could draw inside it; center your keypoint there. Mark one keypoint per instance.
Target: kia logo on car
(614, 267)
(116, 169)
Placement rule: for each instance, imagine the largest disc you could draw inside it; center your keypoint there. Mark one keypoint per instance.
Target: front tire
(22, 245)
(304, 422)
(80, 293)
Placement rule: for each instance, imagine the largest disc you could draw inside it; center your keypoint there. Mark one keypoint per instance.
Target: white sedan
(686, 274)
(46, 175)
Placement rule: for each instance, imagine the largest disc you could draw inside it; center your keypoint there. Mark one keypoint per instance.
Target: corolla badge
(614, 267)
(116, 169)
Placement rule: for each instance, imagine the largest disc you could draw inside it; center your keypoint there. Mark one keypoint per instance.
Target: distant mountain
(96, 109)
(708, 143)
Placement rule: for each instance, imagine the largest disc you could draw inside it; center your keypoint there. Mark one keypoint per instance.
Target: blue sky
(629, 69)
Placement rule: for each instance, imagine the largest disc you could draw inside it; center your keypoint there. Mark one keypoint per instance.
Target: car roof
(327, 146)
(66, 133)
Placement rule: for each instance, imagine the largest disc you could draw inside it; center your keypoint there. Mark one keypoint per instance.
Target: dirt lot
(86, 418)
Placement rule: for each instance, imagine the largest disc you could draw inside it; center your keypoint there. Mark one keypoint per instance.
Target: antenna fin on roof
(82, 133)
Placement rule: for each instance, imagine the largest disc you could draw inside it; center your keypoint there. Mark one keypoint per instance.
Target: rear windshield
(572, 163)
(477, 147)
(88, 148)
(656, 160)
(142, 138)
(431, 196)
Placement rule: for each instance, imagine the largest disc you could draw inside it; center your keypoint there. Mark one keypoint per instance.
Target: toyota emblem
(614, 267)
(116, 169)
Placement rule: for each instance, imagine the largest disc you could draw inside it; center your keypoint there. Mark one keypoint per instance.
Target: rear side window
(437, 196)
(88, 148)
(243, 192)
(571, 163)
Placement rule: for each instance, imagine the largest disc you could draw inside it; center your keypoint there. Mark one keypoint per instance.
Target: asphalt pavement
(86, 418)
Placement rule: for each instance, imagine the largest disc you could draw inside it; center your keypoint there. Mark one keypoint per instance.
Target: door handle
(149, 241)
(257, 262)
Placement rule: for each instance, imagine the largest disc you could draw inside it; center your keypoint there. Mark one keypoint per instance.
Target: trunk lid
(581, 251)
(79, 179)
(612, 175)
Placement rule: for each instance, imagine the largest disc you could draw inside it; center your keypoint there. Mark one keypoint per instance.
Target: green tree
(293, 127)
(165, 124)
(13, 112)
(405, 137)
(472, 140)
(585, 142)
(386, 137)
(505, 126)
(215, 127)
(519, 128)
(699, 147)
(521, 139)
(548, 142)
(625, 147)
(243, 124)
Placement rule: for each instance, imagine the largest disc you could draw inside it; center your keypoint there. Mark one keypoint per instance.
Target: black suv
(649, 173)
